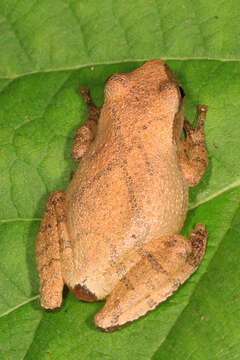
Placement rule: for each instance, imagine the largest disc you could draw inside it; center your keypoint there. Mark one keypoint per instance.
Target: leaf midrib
(112, 62)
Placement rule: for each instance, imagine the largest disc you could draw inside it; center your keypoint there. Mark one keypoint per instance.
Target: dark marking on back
(170, 243)
(143, 253)
(121, 270)
(127, 283)
(130, 186)
(137, 214)
(140, 146)
(105, 171)
(113, 252)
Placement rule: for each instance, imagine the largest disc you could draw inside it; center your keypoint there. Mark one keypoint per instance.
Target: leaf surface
(49, 51)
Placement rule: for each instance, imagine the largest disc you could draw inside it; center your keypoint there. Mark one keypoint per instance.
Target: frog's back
(123, 197)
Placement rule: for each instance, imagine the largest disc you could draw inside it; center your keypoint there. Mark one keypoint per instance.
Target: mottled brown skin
(114, 233)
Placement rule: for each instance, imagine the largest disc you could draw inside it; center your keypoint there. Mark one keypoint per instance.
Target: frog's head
(152, 88)
(166, 92)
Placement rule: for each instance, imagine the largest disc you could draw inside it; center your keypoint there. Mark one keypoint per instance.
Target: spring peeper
(114, 233)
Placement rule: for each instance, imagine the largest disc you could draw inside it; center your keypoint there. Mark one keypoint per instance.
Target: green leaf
(58, 35)
(49, 50)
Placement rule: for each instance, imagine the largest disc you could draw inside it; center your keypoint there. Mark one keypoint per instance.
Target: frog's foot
(48, 254)
(87, 131)
(192, 150)
(165, 264)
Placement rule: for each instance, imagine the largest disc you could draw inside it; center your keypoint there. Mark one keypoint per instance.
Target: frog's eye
(120, 78)
(182, 92)
(115, 84)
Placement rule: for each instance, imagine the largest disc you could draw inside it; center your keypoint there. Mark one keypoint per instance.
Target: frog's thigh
(48, 254)
(165, 264)
(192, 152)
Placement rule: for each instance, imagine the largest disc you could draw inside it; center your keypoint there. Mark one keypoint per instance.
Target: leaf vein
(119, 61)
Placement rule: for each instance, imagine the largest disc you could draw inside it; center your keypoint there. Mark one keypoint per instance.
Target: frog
(114, 234)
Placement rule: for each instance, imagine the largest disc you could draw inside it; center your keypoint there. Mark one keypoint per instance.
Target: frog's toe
(198, 238)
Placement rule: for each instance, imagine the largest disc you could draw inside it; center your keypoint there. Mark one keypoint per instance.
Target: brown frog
(114, 233)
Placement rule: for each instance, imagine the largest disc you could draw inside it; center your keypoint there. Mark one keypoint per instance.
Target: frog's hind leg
(87, 131)
(48, 254)
(192, 152)
(54, 251)
(55, 256)
(165, 264)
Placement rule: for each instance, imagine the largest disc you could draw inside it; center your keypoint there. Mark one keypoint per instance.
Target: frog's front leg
(165, 264)
(87, 131)
(192, 152)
